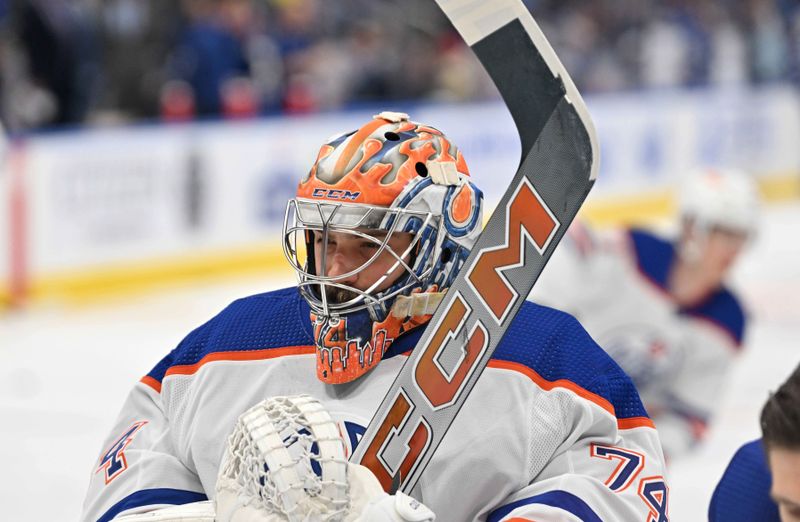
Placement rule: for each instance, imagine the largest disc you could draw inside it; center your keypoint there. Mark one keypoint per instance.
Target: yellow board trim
(643, 208)
(102, 283)
(628, 210)
(780, 188)
(5, 297)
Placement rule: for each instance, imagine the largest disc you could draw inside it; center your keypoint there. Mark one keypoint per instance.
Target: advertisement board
(153, 196)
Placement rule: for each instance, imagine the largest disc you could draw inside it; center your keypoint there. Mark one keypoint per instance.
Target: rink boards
(98, 211)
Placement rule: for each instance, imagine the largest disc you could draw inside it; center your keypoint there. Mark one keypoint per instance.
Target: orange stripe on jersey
(519, 519)
(249, 355)
(633, 422)
(153, 383)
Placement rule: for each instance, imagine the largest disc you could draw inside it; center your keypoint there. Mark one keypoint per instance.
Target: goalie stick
(557, 168)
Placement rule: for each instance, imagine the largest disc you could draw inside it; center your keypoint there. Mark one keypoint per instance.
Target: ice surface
(65, 373)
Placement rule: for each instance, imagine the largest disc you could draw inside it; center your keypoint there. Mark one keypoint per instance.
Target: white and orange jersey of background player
(616, 283)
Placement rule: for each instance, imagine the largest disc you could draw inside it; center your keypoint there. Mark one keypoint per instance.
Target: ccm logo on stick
(527, 217)
(434, 382)
(392, 426)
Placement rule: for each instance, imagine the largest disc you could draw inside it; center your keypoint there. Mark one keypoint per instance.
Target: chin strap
(416, 304)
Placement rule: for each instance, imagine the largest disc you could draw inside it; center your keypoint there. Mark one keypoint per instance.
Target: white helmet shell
(724, 198)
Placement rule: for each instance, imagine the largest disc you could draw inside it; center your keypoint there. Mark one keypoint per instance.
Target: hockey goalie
(410, 331)
(381, 225)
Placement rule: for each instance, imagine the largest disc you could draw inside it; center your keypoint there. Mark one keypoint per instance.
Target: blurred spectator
(729, 53)
(665, 54)
(137, 36)
(75, 61)
(770, 46)
(211, 51)
(55, 65)
(176, 101)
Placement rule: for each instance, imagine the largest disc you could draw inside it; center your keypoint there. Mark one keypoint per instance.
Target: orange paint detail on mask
(323, 153)
(418, 150)
(367, 184)
(345, 360)
(354, 143)
(462, 205)
(372, 186)
(342, 360)
(429, 130)
(445, 153)
(461, 165)
(406, 126)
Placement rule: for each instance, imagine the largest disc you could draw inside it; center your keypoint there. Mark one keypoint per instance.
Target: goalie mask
(377, 233)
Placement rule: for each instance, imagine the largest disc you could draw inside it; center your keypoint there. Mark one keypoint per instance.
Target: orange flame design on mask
(379, 185)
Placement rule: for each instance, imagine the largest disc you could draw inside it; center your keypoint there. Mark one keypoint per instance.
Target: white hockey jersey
(553, 430)
(616, 285)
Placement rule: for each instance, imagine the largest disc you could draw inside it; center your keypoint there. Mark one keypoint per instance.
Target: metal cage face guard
(390, 176)
(307, 219)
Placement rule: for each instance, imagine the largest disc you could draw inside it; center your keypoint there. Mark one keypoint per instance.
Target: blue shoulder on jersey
(743, 492)
(551, 343)
(554, 345)
(278, 319)
(654, 257)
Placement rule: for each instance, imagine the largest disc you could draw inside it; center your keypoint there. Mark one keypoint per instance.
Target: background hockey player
(377, 233)
(660, 307)
(762, 481)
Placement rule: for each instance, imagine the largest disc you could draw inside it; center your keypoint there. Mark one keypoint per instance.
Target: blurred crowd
(96, 61)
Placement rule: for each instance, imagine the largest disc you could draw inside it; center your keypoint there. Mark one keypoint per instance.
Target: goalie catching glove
(286, 462)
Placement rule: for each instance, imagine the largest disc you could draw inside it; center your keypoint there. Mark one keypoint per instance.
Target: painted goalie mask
(377, 233)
